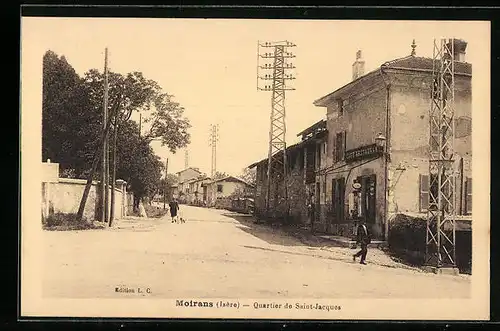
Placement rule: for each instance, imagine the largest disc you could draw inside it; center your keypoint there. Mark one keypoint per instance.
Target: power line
(274, 69)
(441, 210)
(214, 138)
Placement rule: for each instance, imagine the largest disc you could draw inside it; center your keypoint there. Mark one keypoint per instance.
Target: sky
(210, 66)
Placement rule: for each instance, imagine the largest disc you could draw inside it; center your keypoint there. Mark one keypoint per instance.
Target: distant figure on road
(362, 238)
(174, 207)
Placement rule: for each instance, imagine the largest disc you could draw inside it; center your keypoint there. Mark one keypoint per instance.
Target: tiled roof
(320, 125)
(410, 62)
(230, 179)
(424, 63)
(290, 148)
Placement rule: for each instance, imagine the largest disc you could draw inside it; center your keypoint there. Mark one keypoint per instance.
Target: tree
(249, 176)
(68, 127)
(165, 116)
(220, 175)
(166, 185)
(137, 163)
(72, 123)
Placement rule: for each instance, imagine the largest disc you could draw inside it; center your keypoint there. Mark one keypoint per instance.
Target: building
(197, 192)
(226, 187)
(304, 160)
(369, 158)
(184, 176)
(391, 105)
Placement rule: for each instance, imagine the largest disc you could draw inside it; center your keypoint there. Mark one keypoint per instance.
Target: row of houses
(368, 157)
(196, 188)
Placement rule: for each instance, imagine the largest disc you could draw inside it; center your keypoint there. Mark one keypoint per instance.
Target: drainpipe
(386, 153)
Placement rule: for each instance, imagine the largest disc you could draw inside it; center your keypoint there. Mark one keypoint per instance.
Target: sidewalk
(336, 248)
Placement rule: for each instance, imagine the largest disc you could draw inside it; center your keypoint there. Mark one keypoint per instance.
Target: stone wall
(63, 195)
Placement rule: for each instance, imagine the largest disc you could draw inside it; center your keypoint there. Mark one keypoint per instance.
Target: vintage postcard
(276, 169)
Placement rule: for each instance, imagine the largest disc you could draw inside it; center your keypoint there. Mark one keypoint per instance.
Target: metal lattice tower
(440, 238)
(214, 138)
(186, 159)
(277, 73)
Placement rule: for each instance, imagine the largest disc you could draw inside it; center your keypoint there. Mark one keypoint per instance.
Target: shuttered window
(340, 146)
(324, 189)
(424, 193)
(468, 196)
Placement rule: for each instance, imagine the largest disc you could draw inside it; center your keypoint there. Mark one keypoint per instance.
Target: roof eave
(389, 68)
(327, 99)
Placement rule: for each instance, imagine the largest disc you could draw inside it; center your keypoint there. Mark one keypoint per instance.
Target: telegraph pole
(113, 174)
(276, 71)
(104, 187)
(214, 138)
(441, 211)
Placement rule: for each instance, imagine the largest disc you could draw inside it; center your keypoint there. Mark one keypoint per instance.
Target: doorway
(317, 202)
(368, 198)
(338, 200)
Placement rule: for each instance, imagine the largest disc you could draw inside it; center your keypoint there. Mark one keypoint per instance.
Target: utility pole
(214, 138)
(441, 211)
(276, 71)
(113, 170)
(106, 146)
(166, 184)
(97, 157)
(140, 124)
(103, 186)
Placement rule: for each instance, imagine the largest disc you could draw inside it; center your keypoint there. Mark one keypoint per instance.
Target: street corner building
(198, 189)
(369, 159)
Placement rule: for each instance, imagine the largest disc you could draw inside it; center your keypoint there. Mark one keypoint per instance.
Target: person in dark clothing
(174, 207)
(362, 238)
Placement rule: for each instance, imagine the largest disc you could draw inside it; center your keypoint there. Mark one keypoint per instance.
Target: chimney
(459, 47)
(358, 67)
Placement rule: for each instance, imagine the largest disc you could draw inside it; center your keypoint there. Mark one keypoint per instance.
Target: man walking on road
(362, 238)
(174, 207)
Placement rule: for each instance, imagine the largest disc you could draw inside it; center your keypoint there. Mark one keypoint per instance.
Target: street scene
(250, 159)
(221, 254)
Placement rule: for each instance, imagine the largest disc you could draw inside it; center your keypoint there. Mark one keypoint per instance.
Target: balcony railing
(363, 152)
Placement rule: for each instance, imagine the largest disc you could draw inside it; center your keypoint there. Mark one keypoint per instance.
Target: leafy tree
(72, 123)
(137, 164)
(249, 176)
(166, 186)
(165, 116)
(220, 175)
(68, 127)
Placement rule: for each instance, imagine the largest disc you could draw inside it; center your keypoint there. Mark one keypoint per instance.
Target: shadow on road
(273, 234)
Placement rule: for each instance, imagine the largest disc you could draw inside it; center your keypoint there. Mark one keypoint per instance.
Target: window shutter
(344, 144)
(424, 192)
(324, 189)
(468, 196)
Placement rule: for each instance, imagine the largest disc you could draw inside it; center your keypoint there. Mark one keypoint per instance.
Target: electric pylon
(186, 159)
(277, 73)
(441, 212)
(214, 138)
